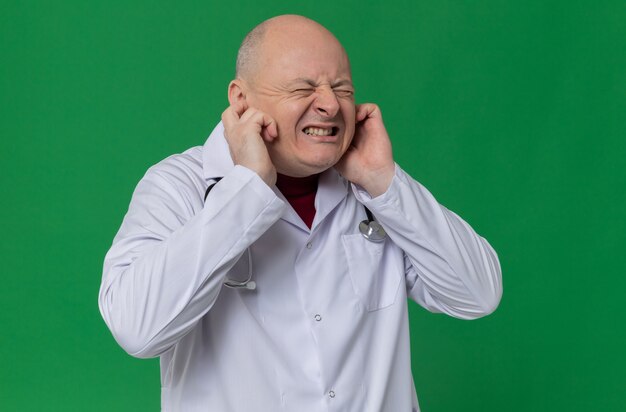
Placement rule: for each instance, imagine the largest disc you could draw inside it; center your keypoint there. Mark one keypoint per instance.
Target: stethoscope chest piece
(372, 231)
(244, 284)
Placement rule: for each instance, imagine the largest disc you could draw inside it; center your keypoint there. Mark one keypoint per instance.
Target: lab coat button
(308, 245)
(318, 317)
(331, 394)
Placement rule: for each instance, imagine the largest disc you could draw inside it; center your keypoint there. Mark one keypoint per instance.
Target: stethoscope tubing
(369, 228)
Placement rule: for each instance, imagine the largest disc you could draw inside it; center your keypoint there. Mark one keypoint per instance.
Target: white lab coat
(327, 327)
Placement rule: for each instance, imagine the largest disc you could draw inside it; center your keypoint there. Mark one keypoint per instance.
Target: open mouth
(321, 131)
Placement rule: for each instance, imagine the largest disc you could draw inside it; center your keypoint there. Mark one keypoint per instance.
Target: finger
(240, 107)
(267, 125)
(229, 117)
(270, 127)
(233, 113)
(270, 132)
(361, 112)
(248, 114)
(364, 111)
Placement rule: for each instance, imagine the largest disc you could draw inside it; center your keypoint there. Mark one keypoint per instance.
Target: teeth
(316, 131)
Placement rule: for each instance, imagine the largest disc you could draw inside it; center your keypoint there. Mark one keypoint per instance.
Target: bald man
(270, 268)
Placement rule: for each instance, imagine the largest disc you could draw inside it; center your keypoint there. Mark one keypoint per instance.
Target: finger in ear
(362, 112)
(269, 132)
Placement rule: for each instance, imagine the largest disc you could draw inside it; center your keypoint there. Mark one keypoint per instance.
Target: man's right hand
(246, 131)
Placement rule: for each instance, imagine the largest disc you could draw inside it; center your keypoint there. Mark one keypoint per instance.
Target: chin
(306, 159)
(306, 167)
(320, 167)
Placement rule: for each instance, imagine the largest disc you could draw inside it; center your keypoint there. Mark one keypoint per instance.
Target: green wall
(511, 113)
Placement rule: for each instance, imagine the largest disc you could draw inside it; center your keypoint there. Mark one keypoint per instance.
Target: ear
(236, 91)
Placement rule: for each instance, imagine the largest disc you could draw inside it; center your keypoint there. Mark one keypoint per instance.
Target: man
(266, 296)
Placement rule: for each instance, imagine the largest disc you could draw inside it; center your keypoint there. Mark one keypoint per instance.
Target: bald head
(249, 50)
(277, 33)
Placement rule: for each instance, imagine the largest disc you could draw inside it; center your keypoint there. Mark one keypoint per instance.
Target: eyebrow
(312, 83)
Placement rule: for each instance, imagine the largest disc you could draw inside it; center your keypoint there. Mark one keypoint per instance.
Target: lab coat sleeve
(169, 259)
(449, 268)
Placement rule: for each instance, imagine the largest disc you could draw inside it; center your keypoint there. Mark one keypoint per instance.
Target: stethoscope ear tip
(251, 285)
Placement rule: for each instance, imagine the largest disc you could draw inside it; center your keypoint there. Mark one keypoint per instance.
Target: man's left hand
(368, 162)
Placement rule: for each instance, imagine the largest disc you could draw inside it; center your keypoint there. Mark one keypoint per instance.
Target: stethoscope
(369, 228)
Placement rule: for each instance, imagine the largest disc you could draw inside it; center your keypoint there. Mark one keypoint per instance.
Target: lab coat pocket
(373, 272)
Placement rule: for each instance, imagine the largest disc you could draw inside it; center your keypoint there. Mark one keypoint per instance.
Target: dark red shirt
(300, 193)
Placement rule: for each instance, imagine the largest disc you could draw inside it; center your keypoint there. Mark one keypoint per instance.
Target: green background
(511, 113)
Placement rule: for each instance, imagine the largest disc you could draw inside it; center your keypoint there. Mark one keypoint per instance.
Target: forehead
(315, 56)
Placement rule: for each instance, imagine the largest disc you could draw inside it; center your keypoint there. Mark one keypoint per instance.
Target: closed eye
(304, 91)
(343, 92)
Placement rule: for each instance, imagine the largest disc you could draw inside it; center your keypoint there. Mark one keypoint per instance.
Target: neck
(296, 186)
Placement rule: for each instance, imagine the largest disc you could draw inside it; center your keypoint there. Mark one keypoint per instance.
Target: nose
(326, 104)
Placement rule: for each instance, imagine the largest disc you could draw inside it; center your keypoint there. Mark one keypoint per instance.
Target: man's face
(304, 83)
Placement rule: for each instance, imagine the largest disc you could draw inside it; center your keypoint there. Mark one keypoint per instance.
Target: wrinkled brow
(313, 83)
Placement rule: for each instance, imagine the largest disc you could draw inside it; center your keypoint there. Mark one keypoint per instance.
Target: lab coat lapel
(331, 191)
(290, 215)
